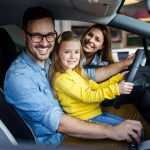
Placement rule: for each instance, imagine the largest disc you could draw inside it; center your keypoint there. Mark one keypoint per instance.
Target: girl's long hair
(106, 52)
(56, 65)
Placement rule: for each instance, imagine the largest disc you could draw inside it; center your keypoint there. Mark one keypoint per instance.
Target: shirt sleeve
(90, 72)
(115, 79)
(83, 92)
(33, 103)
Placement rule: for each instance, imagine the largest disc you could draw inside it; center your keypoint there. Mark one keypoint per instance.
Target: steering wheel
(135, 65)
(131, 75)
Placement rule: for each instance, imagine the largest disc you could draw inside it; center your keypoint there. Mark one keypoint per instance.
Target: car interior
(8, 52)
(9, 118)
(13, 129)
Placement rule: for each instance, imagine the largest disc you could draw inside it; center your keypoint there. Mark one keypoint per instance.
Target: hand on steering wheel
(135, 65)
(131, 74)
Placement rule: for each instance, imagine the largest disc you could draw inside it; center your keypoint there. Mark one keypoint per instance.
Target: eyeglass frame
(42, 36)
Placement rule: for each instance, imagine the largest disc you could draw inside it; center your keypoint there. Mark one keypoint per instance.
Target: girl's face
(93, 40)
(69, 54)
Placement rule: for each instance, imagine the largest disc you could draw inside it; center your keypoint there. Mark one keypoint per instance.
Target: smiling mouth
(42, 51)
(72, 62)
(88, 45)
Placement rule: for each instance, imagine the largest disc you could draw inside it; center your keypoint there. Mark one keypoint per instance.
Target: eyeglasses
(37, 37)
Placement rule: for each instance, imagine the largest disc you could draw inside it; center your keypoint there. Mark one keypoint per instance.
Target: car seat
(9, 118)
(8, 52)
(14, 123)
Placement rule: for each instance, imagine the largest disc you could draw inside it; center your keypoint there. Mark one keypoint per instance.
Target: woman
(96, 44)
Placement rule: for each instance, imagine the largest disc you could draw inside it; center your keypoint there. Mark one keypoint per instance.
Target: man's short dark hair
(34, 13)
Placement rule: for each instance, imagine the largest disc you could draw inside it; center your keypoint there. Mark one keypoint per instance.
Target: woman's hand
(128, 61)
(124, 73)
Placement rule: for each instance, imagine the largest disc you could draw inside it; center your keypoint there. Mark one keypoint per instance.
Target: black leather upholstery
(10, 118)
(14, 122)
(8, 53)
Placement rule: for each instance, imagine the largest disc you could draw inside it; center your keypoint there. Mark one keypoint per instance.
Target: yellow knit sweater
(81, 98)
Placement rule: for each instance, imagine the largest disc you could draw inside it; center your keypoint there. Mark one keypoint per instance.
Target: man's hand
(126, 131)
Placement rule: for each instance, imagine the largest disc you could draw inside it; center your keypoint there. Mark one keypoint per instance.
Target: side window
(122, 55)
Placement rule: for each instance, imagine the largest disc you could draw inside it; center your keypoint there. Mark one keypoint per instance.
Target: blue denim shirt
(96, 63)
(28, 90)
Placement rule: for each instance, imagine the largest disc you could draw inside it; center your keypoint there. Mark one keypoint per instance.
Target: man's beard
(36, 56)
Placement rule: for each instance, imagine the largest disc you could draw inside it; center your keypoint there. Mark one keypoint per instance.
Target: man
(28, 90)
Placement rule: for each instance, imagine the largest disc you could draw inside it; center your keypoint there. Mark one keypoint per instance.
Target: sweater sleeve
(115, 79)
(81, 91)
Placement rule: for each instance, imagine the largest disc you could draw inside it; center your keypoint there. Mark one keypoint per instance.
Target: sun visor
(97, 7)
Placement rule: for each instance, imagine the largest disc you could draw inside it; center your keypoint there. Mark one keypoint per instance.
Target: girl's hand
(125, 87)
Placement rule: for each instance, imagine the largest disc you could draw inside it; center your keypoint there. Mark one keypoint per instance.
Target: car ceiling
(100, 11)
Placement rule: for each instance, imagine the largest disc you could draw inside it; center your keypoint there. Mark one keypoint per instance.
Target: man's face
(39, 51)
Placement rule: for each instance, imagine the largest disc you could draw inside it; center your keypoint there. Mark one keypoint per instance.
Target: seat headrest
(8, 53)
(8, 50)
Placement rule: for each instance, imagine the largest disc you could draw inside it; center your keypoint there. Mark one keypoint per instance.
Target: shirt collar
(33, 64)
(94, 61)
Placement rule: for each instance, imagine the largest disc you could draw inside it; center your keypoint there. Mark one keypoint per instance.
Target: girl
(78, 95)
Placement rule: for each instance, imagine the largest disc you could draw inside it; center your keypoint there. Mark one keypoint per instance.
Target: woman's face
(93, 40)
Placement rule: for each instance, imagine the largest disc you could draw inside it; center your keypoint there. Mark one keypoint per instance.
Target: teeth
(71, 61)
(42, 49)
